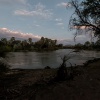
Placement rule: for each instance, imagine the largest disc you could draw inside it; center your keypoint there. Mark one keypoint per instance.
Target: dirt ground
(39, 84)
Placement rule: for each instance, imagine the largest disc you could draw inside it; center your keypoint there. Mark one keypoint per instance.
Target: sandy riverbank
(38, 84)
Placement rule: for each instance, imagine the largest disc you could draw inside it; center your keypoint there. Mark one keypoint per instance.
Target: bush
(64, 73)
(4, 66)
(2, 54)
(47, 67)
(5, 48)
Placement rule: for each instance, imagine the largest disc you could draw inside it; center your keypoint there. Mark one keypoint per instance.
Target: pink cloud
(4, 32)
(63, 4)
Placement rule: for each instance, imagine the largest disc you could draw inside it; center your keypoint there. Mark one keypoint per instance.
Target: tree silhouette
(86, 16)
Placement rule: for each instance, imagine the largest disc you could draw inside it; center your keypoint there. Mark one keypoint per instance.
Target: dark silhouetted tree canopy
(86, 16)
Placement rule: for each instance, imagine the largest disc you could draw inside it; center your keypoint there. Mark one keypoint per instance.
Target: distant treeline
(44, 44)
(28, 45)
(86, 46)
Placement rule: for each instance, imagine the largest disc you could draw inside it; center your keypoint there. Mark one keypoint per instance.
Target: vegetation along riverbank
(44, 44)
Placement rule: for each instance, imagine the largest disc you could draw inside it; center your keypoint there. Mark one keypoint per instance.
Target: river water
(36, 60)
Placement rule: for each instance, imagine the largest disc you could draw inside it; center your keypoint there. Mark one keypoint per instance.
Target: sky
(37, 18)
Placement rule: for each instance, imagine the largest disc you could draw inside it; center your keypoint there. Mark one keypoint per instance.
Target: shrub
(64, 73)
(47, 67)
(4, 67)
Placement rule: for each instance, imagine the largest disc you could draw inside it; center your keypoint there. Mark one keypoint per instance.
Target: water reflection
(32, 60)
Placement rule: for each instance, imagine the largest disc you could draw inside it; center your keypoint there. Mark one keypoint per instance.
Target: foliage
(63, 72)
(45, 43)
(86, 16)
(4, 67)
(27, 45)
(47, 67)
(88, 45)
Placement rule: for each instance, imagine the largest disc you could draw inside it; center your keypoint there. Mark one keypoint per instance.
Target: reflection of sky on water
(31, 60)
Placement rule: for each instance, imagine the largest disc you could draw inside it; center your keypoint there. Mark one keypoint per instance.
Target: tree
(45, 43)
(4, 41)
(12, 39)
(12, 42)
(86, 16)
(79, 46)
(30, 40)
(87, 44)
(97, 44)
(24, 44)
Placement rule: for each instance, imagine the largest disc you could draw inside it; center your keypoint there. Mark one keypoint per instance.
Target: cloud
(58, 19)
(79, 39)
(12, 2)
(80, 27)
(37, 25)
(39, 11)
(4, 32)
(68, 41)
(82, 38)
(63, 4)
(60, 24)
(62, 27)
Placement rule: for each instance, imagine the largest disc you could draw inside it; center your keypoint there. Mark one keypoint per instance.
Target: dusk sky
(36, 18)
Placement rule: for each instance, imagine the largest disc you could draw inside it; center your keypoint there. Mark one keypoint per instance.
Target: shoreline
(47, 67)
(38, 84)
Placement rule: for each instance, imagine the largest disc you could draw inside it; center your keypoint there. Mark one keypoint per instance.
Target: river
(36, 60)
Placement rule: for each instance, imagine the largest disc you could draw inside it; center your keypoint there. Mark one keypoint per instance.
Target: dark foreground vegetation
(52, 84)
